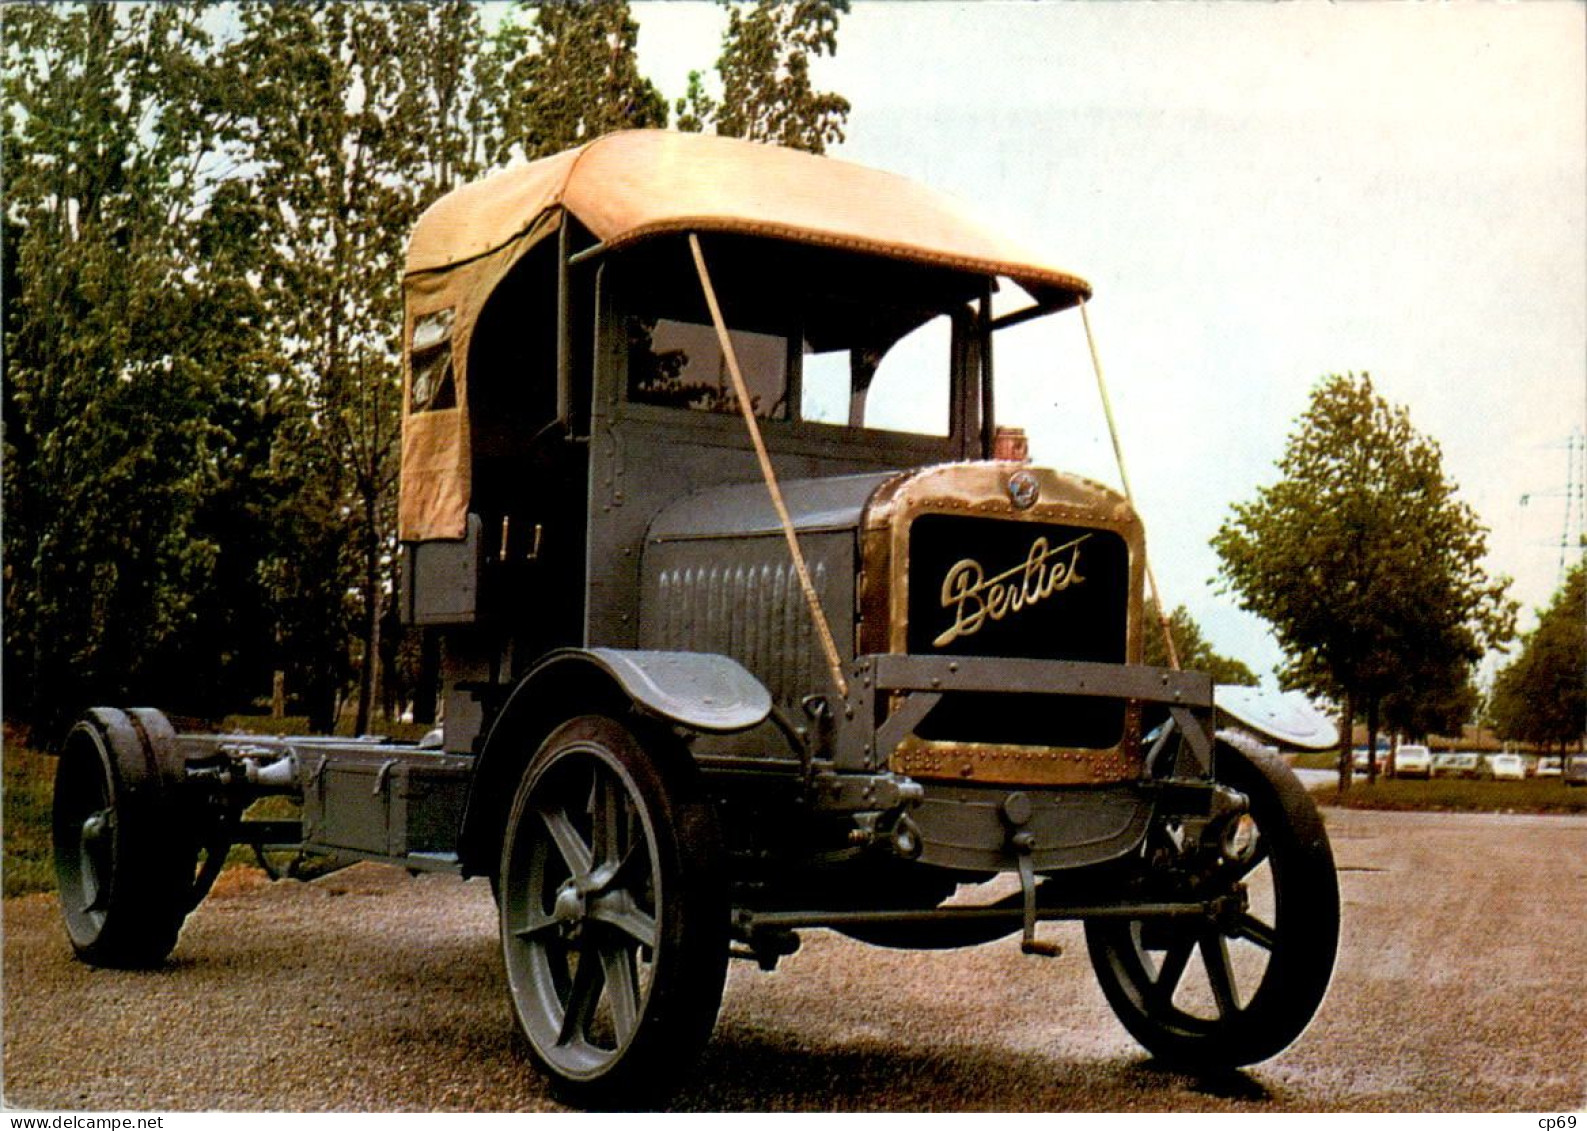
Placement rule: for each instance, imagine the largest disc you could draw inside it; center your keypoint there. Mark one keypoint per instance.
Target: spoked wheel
(130, 862)
(614, 918)
(1237, 988)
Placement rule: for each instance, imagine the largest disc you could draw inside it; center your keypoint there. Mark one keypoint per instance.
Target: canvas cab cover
(627, 187)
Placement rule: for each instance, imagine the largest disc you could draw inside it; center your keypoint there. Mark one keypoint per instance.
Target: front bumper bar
(890, 694)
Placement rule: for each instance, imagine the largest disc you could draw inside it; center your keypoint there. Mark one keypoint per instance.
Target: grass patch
(28, 787)
(1454, 795)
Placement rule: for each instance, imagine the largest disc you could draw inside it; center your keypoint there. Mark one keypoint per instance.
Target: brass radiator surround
(996, 490)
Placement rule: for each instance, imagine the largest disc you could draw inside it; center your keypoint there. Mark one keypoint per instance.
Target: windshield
(820, 339)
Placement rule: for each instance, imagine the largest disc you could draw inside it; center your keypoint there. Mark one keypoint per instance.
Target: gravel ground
(1459, 987)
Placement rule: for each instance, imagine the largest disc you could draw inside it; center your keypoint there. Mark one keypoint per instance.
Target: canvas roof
(625, 187)
(630, 185)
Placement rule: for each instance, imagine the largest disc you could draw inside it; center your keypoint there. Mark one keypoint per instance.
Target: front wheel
(1240, 987)
(614, 916)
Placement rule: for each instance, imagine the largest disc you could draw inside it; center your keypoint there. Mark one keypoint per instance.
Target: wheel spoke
(583, 996)
(619, 910)
(622, 989)
(605, 810)
(1249, 927)
(538, 922)
(575, 853)
(1220, 975)
(1172, 969)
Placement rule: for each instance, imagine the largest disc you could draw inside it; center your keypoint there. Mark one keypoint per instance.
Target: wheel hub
(93, 839)
(569, 907)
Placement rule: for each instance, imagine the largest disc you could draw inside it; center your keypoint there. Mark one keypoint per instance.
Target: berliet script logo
(974, 597)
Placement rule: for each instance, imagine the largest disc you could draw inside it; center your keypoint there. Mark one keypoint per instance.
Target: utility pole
(1573, 535)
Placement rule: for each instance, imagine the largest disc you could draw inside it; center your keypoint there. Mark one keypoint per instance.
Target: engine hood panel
(836, 503)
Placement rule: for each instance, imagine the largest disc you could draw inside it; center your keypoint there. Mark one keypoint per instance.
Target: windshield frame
(627, 284)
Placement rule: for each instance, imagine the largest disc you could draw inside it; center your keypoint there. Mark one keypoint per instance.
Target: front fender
(697, 690)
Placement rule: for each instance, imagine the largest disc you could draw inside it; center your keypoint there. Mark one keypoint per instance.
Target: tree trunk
(1372, 742)
(371, 627)
(1347, 726)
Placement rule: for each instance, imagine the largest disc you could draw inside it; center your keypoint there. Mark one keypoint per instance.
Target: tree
(357, 118)
(135, 376)
(1433, 699)
(1541, 695)
(576, 74)
(1195, 652)
(767, 94)
(204, 226)
(1362, 558)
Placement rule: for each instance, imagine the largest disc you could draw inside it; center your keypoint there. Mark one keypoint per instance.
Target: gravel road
(1461, 985)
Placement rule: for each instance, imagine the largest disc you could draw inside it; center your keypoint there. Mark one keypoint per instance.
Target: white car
(1360, 760)
(1452, 764)
(1413, 762)
(1549, 767)
(1506, 767)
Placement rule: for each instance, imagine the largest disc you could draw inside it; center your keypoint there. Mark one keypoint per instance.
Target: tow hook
(905, 838)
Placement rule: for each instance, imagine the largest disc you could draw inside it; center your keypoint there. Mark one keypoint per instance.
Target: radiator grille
(1030, 590)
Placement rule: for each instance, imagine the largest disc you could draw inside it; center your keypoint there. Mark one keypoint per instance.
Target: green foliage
(355, 117)
(1541, 695)
(1433, 699)
(135, 374)
(1364, 561)
(1448, 795)
(767, 93)
(1194, 651)
(579, 62)
(205, 217)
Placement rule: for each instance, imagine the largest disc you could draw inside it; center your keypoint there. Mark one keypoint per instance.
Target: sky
(1260, 194)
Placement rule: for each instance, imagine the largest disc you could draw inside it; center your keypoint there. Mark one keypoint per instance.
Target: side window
(824, 390)
(910, 389)
(430, 359)
(907, 389)
(681, 365)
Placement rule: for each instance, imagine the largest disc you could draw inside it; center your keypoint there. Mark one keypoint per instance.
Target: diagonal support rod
(741, 390)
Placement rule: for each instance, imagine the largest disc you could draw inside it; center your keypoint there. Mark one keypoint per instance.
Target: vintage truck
(749, 621)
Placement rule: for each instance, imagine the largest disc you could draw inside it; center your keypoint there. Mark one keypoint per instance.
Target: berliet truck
(750, 620)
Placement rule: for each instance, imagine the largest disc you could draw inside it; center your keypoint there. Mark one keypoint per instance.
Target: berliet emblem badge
(1024, 489)
(974, 597)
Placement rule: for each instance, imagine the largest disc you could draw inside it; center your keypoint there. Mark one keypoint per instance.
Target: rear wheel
(614, 917)
(1239, 987)
(130, 862)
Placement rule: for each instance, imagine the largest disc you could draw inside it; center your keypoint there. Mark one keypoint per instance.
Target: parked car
(1360, 760)
(1413, 762)
(1550, 767)
(1452, 764)
(1576, 770)
(1506, 767)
